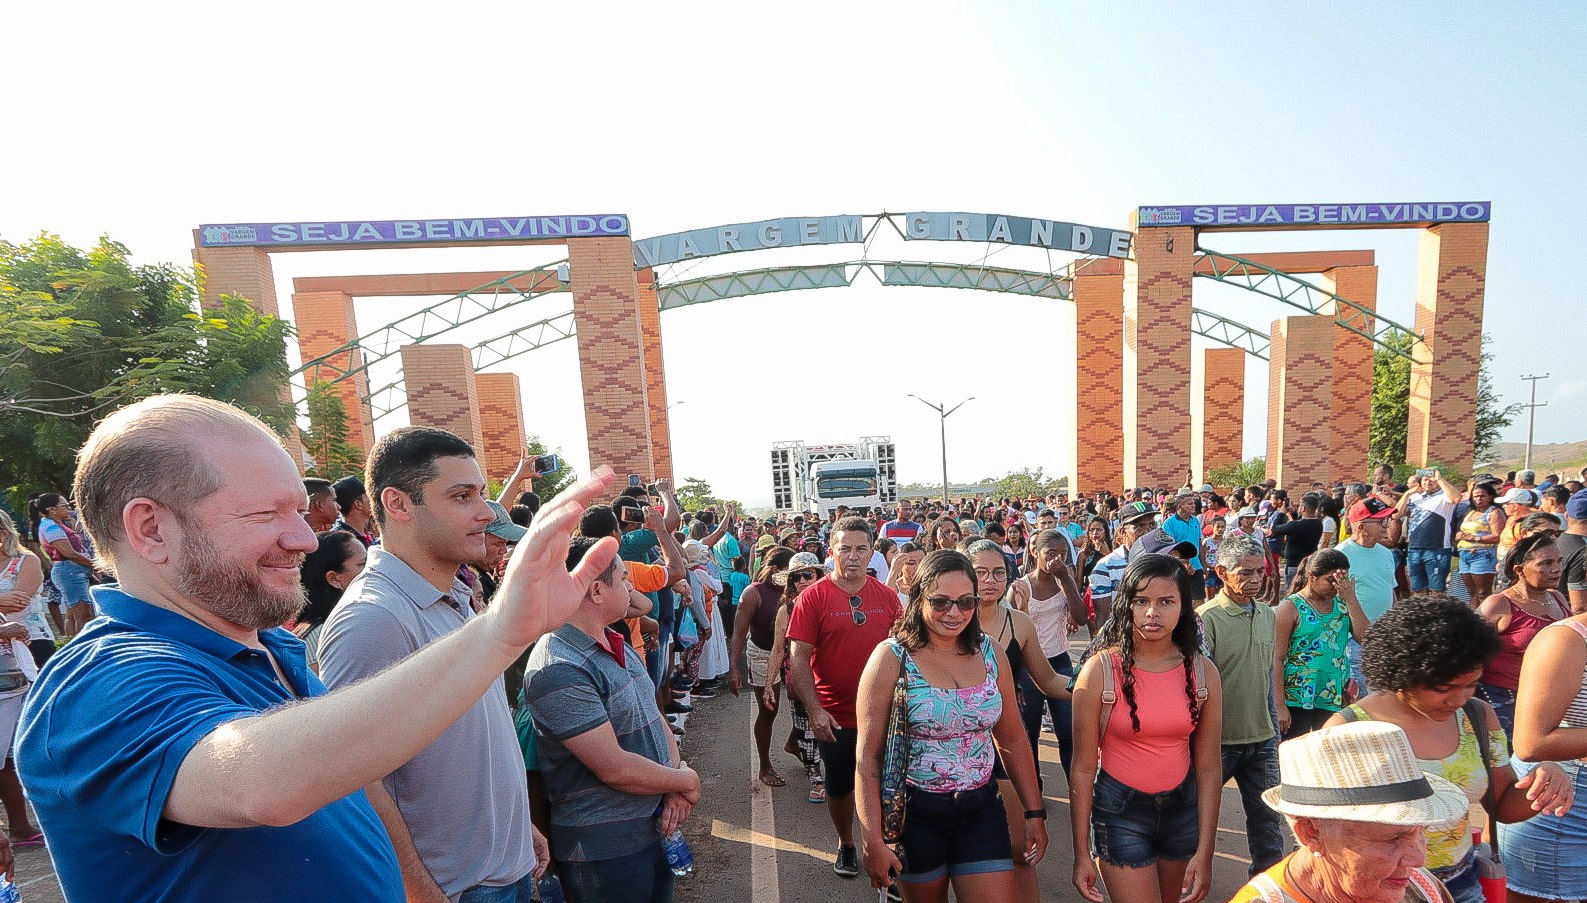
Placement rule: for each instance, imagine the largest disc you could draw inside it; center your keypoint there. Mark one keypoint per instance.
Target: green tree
(1388, 435)
(1240, 473)
(87, 331)
(1025, 482)
(695, 495)
(326, 438)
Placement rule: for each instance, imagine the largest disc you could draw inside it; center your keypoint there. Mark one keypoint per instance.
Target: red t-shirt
(824, 618)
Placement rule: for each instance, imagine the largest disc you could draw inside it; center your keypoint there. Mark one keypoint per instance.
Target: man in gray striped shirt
(614, 780)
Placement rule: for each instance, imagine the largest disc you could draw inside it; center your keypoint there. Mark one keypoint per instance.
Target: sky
(152, 120)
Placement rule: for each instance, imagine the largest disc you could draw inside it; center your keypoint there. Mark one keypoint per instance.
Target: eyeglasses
(991, 573)
(854, 610)
(943, 603)
(800, 576)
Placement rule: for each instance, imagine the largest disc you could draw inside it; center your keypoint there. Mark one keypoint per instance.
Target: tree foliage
(88, 331)
(1241, 473)
(1026, 481)
(1391, 405)
(326, 440)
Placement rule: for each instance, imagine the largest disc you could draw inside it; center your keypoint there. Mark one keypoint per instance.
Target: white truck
(815, 479)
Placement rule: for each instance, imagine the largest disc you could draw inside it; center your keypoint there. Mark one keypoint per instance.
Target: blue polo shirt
(106, 727)
(1185, 531)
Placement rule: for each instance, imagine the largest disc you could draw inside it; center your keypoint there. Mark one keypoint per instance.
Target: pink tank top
(1158, 758)
(1505, 668)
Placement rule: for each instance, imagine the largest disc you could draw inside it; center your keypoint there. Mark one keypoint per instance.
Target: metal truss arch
(1296, 292)
(357, 355)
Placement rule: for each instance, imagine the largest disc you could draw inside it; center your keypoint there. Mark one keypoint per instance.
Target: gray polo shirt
(463, 797)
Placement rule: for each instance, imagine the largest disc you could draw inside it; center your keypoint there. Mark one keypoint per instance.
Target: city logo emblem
(1160, 216)
(225, 235)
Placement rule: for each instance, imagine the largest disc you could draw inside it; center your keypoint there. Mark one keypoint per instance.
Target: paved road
(755, 843)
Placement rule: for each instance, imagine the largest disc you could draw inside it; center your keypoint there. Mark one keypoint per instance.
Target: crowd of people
(475, 694)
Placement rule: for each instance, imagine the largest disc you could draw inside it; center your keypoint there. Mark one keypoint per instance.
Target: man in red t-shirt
(835, 625)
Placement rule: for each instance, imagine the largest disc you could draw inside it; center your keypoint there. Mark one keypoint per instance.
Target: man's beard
(230, 589)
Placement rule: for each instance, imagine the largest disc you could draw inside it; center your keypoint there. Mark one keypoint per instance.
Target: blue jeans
(1062, 712)
(642, 877)
(1428, 569)
(517, 892)
(1254, 767)
(1503, 702)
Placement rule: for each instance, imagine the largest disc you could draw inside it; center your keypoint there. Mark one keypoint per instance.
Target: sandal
(772, 779)
(37, 840)
(818, 793)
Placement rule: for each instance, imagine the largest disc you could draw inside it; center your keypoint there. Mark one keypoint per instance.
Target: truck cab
(854, 483)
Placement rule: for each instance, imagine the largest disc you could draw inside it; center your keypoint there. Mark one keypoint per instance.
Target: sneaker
(894, 894)
(848, 864)
(678, 708)
(704, 693)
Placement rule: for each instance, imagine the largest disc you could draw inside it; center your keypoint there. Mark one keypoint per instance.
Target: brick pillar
(325, 323)
(607, 319)
(442, 391)
(1097, 443)
(1351, 398)
(501, 423)
(655, 376)
(1298, 408)
(1222, 409)
(237, 271)
(1451, 273)
(1157, 357)
(245, 272)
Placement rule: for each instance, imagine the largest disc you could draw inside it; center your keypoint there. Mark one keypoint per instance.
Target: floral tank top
(1315, 667)
(950, 729)
(1448, 842)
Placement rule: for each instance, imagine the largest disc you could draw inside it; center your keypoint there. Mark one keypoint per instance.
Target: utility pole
(942, 412)
(1531, 417)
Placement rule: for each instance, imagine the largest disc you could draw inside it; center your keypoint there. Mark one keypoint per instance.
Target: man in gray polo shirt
(613, 777)
(458, 811)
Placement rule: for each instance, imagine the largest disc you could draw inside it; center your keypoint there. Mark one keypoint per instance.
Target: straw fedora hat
(802, 561)
(1362, 771)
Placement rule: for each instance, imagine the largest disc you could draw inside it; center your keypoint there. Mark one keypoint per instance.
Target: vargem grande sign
(493, 229)
(1266, 216)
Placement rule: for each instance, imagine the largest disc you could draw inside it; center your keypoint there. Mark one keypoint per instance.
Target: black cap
(348, 490)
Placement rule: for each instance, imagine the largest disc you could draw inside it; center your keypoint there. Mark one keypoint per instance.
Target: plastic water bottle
(549, 889)
(8, 891)
(678, 855)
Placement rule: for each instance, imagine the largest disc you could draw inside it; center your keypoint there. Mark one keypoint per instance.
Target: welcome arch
(1133, 294)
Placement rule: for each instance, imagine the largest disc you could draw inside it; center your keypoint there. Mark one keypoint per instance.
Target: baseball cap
(1576, 508)
(1517, 494)
(1161, 541)
(1134, 511)
(348, 490)
(1370, 508)
(1207, 487)
(502, 526)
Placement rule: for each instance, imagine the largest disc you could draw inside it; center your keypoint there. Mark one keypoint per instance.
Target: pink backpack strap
(1428, 886)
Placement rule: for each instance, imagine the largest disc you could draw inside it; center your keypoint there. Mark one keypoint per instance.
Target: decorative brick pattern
(1097, 443)
(655, 376)
(500, 423)
(1451, 275)
(611, 354)
(325, 322)
(441, 388)
(1222, 408)
(1157, 357)
(1298, 409)
(1351, 399)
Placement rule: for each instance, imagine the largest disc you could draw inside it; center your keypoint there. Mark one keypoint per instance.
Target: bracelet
(1036, 813)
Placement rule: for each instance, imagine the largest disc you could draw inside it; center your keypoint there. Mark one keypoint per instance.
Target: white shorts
(757, 664)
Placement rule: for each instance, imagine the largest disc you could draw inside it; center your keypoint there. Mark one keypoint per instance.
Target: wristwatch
(1036, 813)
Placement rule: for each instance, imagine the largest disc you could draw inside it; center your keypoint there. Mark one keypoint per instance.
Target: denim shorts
(1134, 829)
(1479, 561)
(71, 579)
(956, 833)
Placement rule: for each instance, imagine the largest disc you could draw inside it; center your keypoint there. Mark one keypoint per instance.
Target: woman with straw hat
(1359, 806)
(803, 569)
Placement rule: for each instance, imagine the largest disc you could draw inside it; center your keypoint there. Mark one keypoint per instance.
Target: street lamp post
(942, 412)
(1531, 416)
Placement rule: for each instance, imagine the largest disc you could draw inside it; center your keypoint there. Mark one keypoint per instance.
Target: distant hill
(1562, 457)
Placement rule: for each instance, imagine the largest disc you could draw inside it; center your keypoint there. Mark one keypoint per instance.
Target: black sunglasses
(942, 603)
(854, 610)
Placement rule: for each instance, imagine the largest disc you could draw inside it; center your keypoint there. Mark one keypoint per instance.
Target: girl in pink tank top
(1147, 733)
